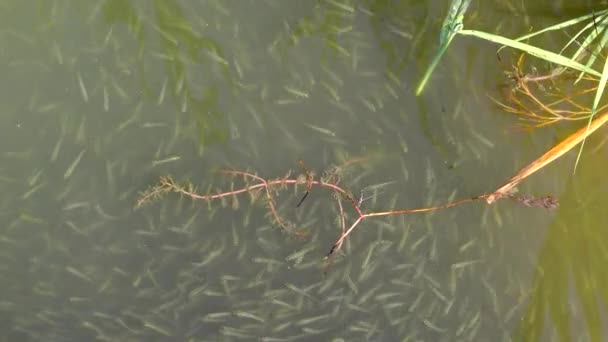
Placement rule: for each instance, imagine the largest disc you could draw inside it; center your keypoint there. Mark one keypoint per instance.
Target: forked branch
(255, 183)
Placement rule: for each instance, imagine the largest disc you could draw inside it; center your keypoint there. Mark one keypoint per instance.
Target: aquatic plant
(257, 186)
(571, 90)
(594, 36)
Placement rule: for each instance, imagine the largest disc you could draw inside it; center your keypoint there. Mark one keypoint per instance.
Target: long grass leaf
(532, 50)
(598, 96)
(563, 25)
(452, 23)
(602, 84)
(431, 68)
(549, 156)
(585, 47)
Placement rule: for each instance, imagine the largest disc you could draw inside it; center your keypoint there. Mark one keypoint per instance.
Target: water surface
(99, 99)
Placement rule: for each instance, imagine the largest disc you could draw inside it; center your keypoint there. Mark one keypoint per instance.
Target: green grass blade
(598, 96)
(585, 46)
(588, 39)
(452, 23)
(432, 67)
(563, 25)
(600, 19)
(532, 50)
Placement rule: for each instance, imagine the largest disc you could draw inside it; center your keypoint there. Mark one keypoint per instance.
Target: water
(100, 99)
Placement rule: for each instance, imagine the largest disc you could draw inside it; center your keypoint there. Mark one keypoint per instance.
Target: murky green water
(99, 99)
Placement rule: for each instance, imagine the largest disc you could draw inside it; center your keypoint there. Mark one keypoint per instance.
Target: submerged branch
(255, 183)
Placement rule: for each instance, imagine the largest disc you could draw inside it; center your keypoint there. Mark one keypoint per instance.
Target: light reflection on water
(99, 100)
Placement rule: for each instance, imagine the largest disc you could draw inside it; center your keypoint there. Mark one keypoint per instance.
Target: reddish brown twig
(166, 185)
(545, 99)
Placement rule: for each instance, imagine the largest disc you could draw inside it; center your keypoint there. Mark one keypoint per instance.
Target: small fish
(300, 291)
(78, 274)
(465, 264)
(416, 302)
(296, 92)
(157, 328)
(72, 167)
(332, 91)
(433, 326)
(337, 47)
(106, 100)
(166, 35)
(119, 90)
(33, 190)
(161, 96)
(216, 57)
(342, 6)
(166, 160)
(57, 53)
(307, 321)
(217, 317)
(250, 316)
(321, 130)
(83, 89)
